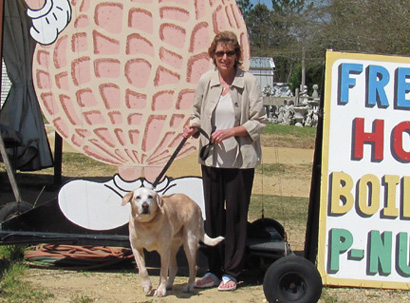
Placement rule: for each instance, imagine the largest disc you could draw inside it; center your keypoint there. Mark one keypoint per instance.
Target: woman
(228, 106)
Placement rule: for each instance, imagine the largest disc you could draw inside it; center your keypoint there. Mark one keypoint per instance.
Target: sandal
(228, 283)
(209, 280)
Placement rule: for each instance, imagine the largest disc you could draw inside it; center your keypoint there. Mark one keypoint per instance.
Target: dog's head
(145, 203)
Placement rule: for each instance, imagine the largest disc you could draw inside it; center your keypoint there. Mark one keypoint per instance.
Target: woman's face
(225, 56)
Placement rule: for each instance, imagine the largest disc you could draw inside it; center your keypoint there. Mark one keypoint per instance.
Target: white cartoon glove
(49, 21)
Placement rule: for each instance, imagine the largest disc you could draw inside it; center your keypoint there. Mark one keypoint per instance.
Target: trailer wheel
(292, 279)
(13, 209)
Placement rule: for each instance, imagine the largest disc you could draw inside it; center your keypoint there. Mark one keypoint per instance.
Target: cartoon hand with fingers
(49, 21)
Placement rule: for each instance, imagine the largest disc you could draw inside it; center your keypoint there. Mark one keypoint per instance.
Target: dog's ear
(160, 202)
(127, 198)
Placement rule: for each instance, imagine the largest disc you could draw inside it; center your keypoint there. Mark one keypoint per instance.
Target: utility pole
(303, 70)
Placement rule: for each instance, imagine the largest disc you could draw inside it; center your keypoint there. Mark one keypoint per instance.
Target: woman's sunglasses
(222, 53)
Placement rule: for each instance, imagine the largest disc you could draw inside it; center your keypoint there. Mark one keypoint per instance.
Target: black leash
(177, 150)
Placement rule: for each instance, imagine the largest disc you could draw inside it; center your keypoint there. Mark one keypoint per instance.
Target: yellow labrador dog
(164, 223)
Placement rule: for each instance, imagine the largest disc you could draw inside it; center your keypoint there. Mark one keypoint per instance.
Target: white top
(224, 118)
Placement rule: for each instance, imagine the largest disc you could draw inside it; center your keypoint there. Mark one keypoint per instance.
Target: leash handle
(204, 133)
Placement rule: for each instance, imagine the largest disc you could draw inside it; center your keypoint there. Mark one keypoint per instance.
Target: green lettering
(402, 254)
(340, 241)
(380, 252)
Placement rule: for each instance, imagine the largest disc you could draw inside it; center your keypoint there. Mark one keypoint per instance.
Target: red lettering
(398, 150)
(375, 138)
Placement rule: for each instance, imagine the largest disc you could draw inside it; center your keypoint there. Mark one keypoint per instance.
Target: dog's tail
(207, 240)
(212, 241)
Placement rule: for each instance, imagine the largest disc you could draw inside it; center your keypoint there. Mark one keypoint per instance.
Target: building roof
(264, 63)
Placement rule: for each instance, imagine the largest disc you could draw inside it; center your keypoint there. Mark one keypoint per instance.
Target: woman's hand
(220, 135)
(189, 131)
(223, 134)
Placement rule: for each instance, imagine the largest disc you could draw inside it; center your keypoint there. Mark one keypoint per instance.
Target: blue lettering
(402, 88)
(378, 78)
(345, 83)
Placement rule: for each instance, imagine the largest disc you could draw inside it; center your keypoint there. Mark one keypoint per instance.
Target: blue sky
(268, 3)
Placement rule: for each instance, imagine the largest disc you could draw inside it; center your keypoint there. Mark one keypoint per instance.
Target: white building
(264, 69)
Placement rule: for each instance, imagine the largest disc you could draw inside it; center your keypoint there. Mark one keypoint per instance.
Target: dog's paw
(146, 287)
(189, 288)
(160, 293)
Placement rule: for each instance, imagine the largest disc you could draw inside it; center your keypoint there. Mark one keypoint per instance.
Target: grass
(12, 287)
(291, 132)
(81, 299)
(272, 169)
(279, 135)
(291, 210)
(12, 253)
(326, 297)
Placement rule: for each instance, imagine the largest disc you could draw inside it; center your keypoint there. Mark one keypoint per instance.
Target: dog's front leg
(162, 287)
(140, 260)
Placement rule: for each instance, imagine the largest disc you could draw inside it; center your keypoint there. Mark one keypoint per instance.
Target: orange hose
(93, 256)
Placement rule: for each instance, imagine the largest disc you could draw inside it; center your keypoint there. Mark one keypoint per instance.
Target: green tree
(245, 6)
(287, 25)
(259, 25)
(301, 30)
(287, 7)
(377, 26)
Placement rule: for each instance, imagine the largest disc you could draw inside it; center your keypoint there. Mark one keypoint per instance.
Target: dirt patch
(284, 172)
(278, 140)
(124, 287)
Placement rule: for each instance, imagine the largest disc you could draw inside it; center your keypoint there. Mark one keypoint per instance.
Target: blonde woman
(228, 105)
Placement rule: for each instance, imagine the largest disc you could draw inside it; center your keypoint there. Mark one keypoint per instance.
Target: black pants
(227, 194)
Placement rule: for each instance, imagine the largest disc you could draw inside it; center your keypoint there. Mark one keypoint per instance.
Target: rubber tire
(292, 279)
(13, 209)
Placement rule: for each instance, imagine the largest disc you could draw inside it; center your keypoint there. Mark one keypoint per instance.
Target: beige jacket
(249, 112)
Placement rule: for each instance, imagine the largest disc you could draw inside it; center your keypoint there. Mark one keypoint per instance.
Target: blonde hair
(226, 37)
